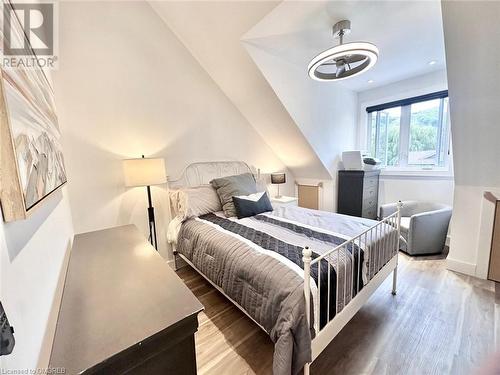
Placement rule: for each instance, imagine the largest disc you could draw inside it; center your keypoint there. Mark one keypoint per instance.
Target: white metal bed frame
(386, 240)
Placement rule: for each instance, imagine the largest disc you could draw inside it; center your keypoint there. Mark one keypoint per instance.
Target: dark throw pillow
(252, 204)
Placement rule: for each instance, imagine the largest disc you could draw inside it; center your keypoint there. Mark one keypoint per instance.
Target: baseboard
(461, 267)
(448, 240)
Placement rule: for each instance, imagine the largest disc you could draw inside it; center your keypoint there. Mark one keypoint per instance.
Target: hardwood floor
(440, 322)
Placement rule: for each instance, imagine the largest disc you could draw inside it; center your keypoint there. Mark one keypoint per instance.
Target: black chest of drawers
(358, 193)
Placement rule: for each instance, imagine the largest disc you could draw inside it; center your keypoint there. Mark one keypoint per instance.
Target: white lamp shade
(144, 172)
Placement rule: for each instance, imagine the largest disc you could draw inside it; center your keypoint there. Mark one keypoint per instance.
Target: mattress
(257, 261)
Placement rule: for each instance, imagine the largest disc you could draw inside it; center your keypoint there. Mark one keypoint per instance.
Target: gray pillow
(227, 187)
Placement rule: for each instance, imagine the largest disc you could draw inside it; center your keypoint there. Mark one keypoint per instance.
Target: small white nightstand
(292, 201)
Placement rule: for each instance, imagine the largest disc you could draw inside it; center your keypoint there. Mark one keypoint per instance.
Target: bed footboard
(381, 242)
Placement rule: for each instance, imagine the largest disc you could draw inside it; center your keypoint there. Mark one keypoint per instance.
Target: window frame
(403, 166)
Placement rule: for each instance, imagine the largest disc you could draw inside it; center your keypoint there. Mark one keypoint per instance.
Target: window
(411, 133)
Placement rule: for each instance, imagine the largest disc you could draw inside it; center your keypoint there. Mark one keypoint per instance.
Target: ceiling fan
(345, 60)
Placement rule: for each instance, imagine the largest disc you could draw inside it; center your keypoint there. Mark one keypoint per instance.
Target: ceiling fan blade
(355, 58)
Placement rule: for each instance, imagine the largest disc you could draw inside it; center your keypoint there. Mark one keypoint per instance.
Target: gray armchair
(424, 225)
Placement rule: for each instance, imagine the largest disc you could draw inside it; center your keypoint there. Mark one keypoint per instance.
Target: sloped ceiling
(325, 112)
(211, 31)
(258, 52)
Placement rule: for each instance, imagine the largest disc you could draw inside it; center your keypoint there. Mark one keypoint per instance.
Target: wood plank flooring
(440, 322)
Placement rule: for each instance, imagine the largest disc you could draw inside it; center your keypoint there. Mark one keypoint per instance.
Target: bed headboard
(202, 173)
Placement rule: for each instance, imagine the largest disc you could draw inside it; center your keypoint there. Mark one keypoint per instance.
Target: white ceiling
(408, 34)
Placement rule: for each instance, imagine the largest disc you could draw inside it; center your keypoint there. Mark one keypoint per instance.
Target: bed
(299, 274)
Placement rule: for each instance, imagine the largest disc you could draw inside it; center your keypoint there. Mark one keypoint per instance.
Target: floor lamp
(146, 172)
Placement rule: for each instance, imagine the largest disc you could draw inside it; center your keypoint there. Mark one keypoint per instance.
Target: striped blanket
(257, 261)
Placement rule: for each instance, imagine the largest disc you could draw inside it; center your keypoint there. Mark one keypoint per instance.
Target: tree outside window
(413, 136)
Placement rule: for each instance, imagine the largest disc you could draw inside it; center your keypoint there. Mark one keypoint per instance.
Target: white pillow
(252, 197)
(193, 202)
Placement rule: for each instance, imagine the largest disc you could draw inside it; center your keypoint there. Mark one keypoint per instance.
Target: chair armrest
(408, 208)
(428, 230)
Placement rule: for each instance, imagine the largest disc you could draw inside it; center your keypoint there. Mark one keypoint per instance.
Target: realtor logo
(29, 35)
(37, 21)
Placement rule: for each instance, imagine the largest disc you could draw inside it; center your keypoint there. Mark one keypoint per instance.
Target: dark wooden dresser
(123, 310)
(358, 193)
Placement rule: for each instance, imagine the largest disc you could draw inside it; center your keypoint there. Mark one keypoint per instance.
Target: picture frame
(31, 159)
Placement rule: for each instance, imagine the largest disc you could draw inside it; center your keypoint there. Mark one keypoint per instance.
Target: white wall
(475, 115)
(396, 188)
(32, 253)
(399, 186)
(127, 87)
(213, 36)
(325, 114)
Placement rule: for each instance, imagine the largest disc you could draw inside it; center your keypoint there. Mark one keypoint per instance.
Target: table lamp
(277, 179)
(146, 172)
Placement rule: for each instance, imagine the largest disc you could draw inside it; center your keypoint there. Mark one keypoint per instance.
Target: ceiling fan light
(366, 49)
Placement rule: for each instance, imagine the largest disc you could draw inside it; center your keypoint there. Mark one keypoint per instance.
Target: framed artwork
(31, 159)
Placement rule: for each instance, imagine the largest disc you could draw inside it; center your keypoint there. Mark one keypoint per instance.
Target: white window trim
(441, 173)
(408, 171)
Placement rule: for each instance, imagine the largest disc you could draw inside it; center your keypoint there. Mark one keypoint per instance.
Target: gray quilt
(258, 263)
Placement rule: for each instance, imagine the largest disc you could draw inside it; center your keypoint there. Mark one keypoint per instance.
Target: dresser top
(118, 292)
(492, 196)
(360, 172)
